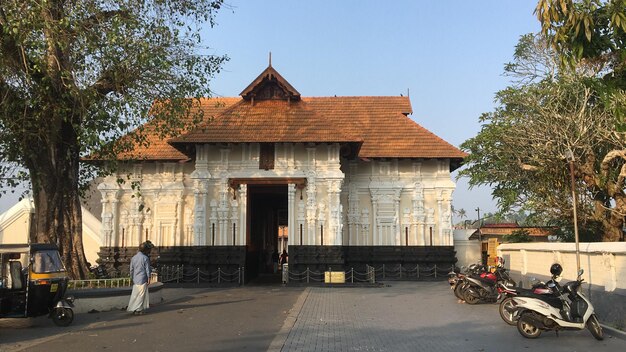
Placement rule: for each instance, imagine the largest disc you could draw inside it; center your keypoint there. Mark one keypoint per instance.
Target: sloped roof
(507, 230)
(157, 148)
(269, 75)
(379, 124)
(271, 121)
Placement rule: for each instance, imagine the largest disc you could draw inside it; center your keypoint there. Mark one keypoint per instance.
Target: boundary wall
(604, 264)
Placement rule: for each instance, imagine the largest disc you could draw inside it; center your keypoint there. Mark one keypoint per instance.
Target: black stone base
(320, 258)
(316, 258)
(116, 260)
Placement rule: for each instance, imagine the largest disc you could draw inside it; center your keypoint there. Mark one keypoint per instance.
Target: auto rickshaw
(33, 282)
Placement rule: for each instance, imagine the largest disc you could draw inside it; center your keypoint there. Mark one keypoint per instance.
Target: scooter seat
(552, 300)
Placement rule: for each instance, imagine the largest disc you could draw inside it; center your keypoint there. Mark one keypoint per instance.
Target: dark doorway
(267, 220)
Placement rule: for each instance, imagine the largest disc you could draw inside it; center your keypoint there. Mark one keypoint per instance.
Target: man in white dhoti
(140, 274)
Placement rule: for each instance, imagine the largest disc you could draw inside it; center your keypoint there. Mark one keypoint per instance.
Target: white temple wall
(390, 199)
(360, 203)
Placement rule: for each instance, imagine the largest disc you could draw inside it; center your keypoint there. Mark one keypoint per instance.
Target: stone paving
(415, 316)
(403, 316)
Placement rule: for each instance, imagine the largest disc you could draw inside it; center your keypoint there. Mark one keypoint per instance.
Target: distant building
(498, 232)
(339, 181)
(15, 228)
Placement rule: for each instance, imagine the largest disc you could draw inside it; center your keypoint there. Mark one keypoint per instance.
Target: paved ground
(422, 316)
(209, 319)
(406, 316)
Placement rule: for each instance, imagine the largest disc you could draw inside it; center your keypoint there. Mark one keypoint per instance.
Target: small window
(266, 156)
(47, 261)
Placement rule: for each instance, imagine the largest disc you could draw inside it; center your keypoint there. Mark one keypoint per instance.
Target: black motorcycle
(487, 287)
(457, 280)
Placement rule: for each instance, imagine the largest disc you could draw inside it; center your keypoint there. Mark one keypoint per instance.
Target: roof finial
(270, 59)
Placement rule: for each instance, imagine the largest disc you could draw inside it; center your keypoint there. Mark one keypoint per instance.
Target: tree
(523, 146)
(77, 75)
(586, 30)
(518, 236)
(590, 31)
(461, 213)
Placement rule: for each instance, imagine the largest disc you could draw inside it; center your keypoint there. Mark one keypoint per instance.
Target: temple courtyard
(399, 316)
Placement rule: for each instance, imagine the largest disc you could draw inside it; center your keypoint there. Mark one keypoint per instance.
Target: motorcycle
(507, 310)
(457, 281)
(33, 282)
(571, 311)
(487, 287)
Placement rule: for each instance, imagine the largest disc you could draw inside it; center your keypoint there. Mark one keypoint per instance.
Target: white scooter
(571, 311)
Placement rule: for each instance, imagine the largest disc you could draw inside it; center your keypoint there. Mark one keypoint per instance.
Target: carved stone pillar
(291, 213)
(213, 230)
(301, 229)
(234, 235)
(243, 214)
(336, 219)
(311, 210)
(222, 212)
(365, 228)
(199, 221)
(353, 215)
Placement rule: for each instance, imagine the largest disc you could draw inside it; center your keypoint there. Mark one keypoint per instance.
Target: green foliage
(587, 29)
(518, 236)
(76, 78)
(523, 148)
(588, 231)
(87, 72)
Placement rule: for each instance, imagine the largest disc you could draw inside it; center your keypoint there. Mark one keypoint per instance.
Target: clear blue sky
(448, 54)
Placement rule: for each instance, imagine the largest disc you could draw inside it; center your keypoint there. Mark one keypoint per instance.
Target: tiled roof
(380, 125)
(271, 121)
(159, 149)
(502, 231)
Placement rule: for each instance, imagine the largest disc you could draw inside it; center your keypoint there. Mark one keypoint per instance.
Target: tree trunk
(58, 219)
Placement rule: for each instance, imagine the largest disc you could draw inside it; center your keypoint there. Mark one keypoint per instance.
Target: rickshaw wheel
(62, 316)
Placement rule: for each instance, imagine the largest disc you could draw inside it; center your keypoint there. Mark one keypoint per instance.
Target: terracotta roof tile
(380, 123)
(159, 149)
(272, 121)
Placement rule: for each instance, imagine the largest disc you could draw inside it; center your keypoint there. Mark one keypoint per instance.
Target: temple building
(336, 181)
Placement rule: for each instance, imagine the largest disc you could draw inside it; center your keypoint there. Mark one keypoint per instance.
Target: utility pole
(480, 236)
(570, 156)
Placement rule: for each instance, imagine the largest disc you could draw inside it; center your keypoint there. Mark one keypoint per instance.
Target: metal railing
(186, 274)
(105, 283)
(373, 274)
(99, 283)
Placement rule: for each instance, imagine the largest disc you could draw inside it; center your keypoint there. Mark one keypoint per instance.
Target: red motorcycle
(488, 286)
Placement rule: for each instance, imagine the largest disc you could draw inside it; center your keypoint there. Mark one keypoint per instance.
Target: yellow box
(334, 277)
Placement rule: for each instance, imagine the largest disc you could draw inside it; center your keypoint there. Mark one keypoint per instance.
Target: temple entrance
(267, 229)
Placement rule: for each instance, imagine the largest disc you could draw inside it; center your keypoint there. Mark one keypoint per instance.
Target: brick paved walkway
(415, 316)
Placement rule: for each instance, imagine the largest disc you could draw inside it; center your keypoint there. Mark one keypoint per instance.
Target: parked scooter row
(550, 291)
(480, 284)
(571, 311)
(543, 307)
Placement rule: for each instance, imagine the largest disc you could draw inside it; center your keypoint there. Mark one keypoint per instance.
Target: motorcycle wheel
(458, 291)
(594, 327)
(508, 317)
(470, 297)
(62, 316)
(526, 328)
